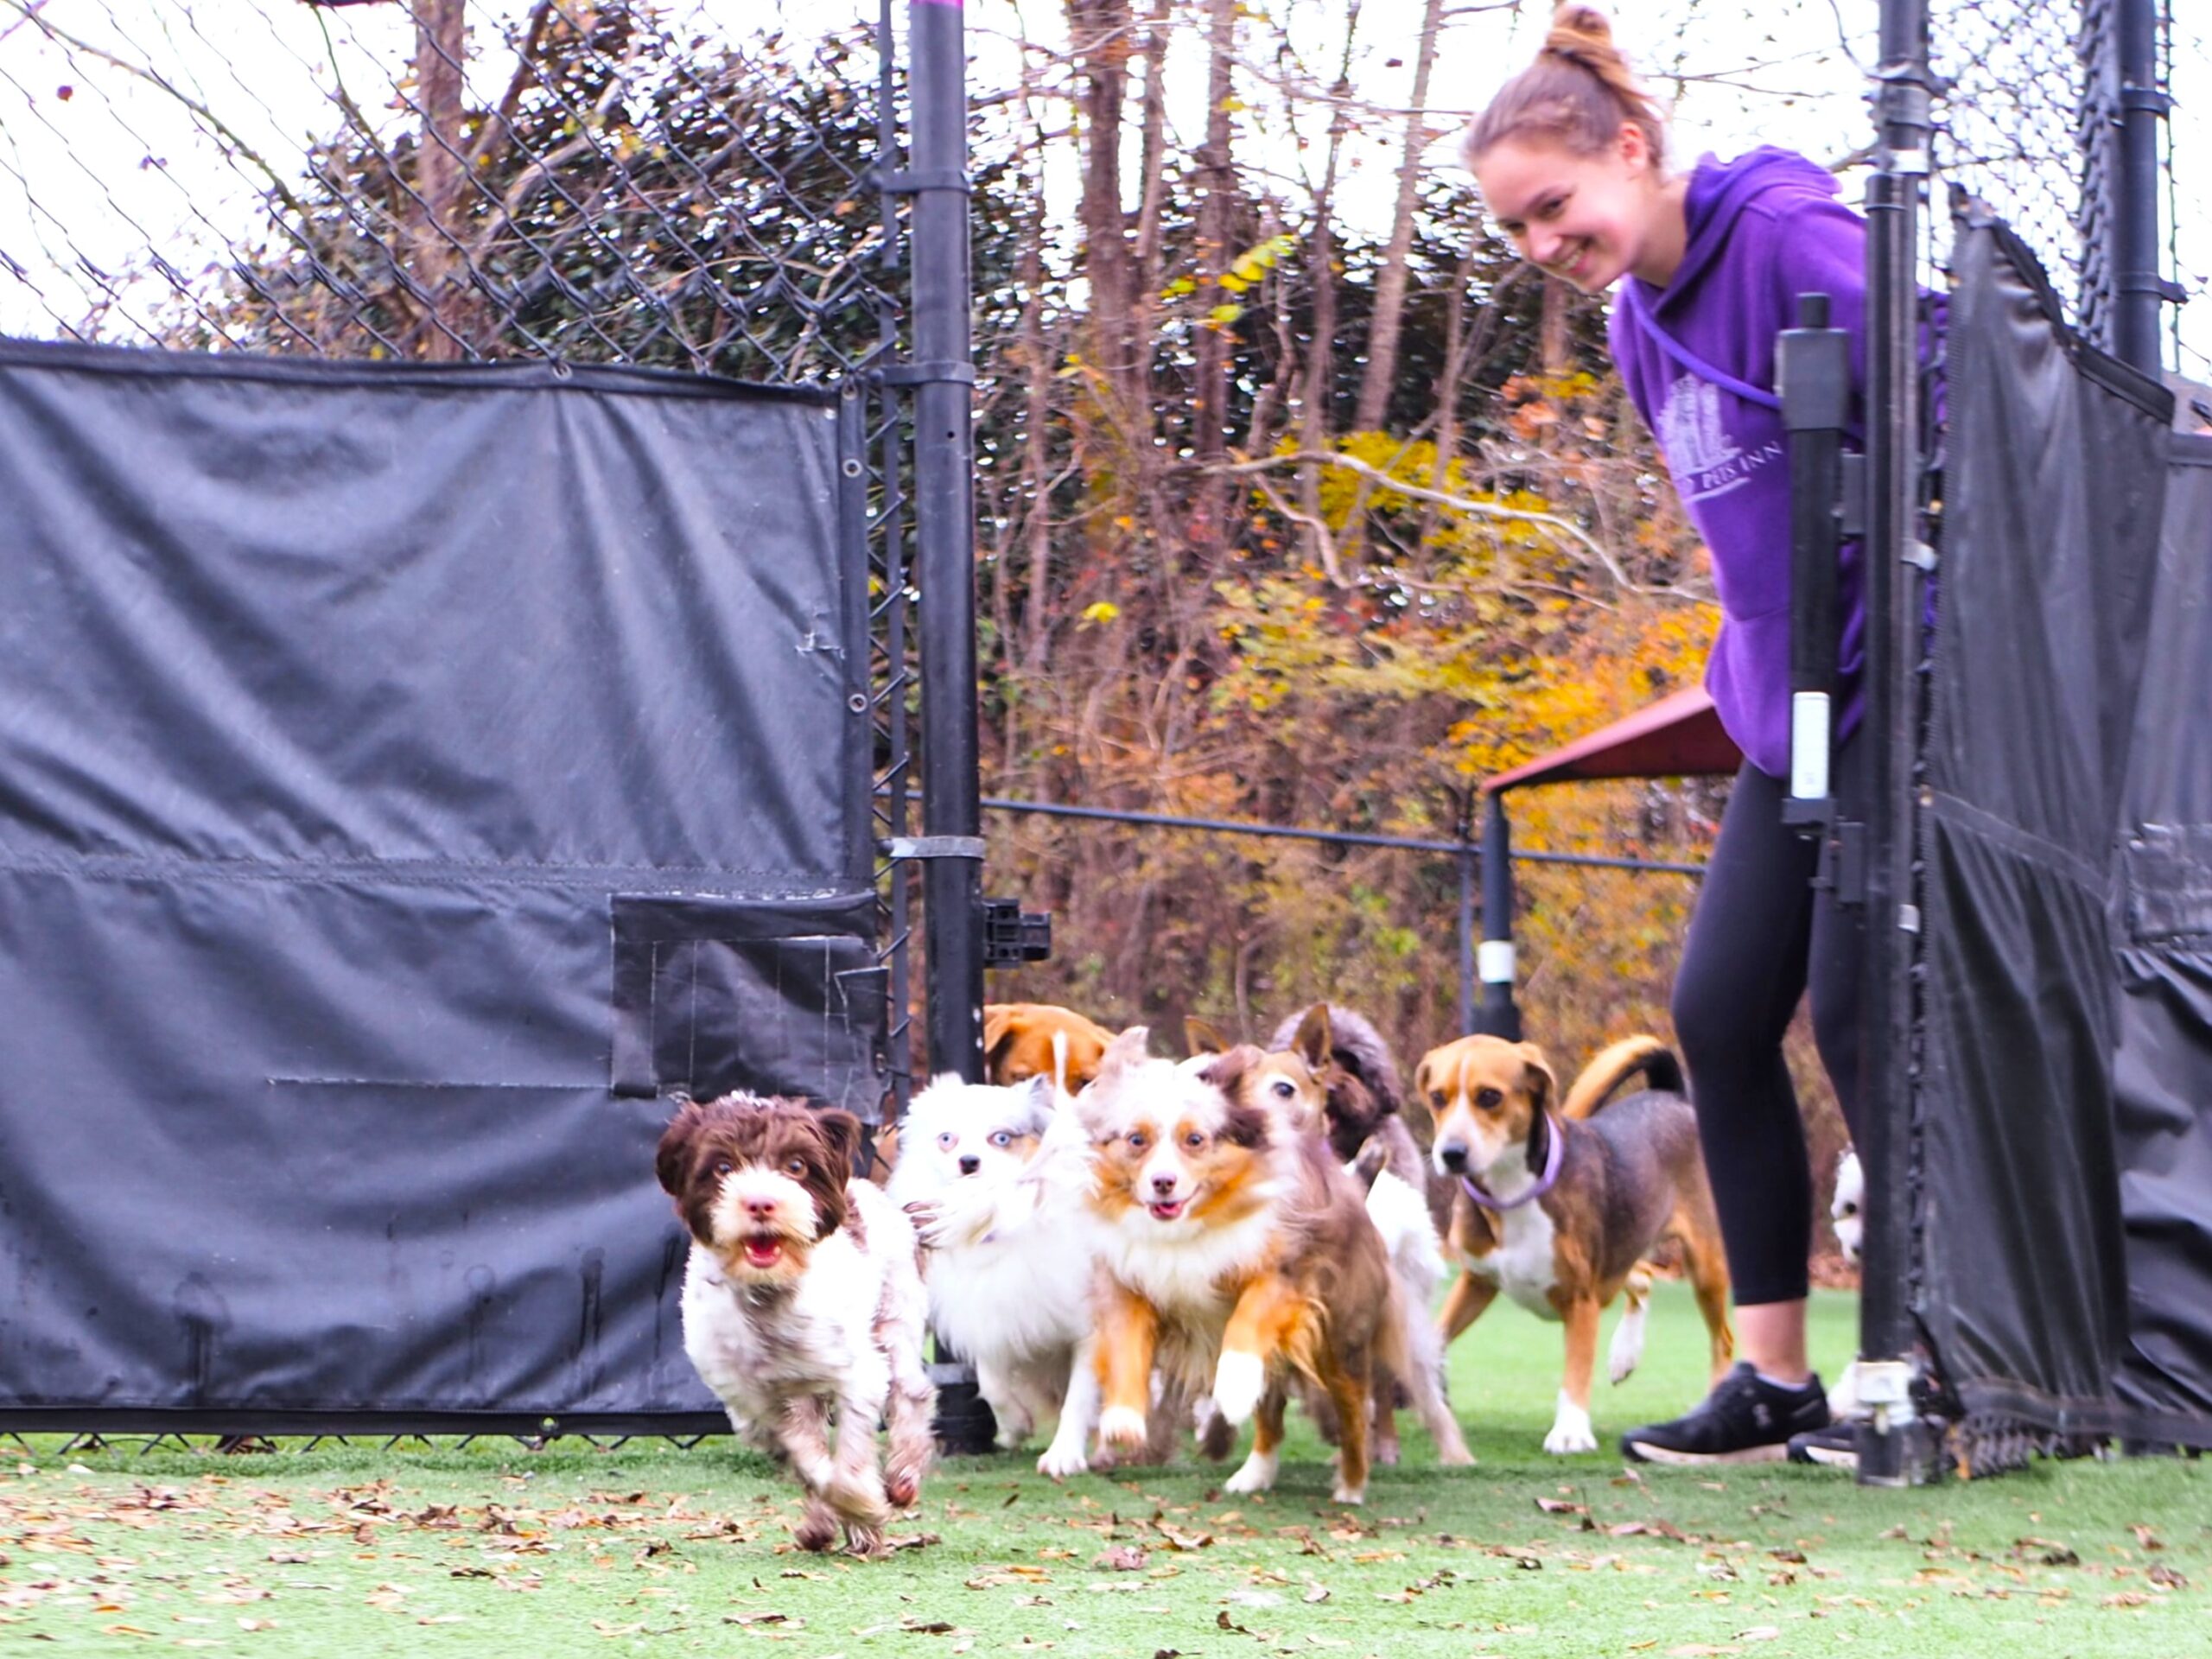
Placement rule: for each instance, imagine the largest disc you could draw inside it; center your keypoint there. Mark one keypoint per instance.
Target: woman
(1570, 159)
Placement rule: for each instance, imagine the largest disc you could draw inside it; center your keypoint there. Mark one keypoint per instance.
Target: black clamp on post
(1013, 936)
(1813, 374)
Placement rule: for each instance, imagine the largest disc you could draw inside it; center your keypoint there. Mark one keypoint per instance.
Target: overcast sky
(97, 165)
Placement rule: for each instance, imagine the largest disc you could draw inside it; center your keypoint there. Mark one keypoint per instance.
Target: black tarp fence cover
(2063, 1242)
(407, 776)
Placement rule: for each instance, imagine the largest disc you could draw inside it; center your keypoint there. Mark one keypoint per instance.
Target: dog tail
(1411, 1350)
(1615, 1066)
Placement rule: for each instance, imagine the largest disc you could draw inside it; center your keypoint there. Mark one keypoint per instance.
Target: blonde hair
(1577, 94)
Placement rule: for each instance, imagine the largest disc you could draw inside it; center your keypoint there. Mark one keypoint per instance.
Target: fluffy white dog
(1843, 1212)
(1844, 1216)
(997, 1178)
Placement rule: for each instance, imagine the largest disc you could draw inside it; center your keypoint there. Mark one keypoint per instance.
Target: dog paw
(817, 1529)
(902, 1487)
(1454, 1457)
(1344, 1494)
(1217, 1434)
(1123, 1426)
(1239, 1382)
(865, 1542)
(861, 1500)
(1571, 1431)
(1059, 1462)
(1257, 1475)
(1627, 1350)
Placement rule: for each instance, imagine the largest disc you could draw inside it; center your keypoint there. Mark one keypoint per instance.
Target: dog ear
(1085, 1051)
(1226, 1069)
(1314, 1043)
(1204, 1037)
(1536, 1077)
(1040, 1097)
(674, 1155)
(842, 1130)
(1124, 1052)
(1422, 1073)
(1002, 1030)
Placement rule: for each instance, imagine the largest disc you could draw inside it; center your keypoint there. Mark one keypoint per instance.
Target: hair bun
(1580, 34)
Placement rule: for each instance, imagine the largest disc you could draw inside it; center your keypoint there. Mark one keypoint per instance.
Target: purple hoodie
(1762, 229)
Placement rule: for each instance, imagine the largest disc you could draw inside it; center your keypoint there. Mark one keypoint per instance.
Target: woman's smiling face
(1588, 220)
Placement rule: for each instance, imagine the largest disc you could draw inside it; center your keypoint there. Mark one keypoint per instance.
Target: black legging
(1761, 934)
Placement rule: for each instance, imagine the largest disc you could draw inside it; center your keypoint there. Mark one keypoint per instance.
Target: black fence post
(1499, 1016)
(1466, 864)
(2139, 287)
(1895, 1447)
(943, 374)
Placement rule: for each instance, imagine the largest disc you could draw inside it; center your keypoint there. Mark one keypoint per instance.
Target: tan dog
(1559, 1205)
(1023, 1040)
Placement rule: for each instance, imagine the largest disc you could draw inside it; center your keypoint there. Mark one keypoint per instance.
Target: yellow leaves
(1250, 266)
(1244, 273)
(1101, 613)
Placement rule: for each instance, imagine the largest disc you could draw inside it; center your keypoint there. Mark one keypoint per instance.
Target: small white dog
(1844, 1216)
(802, 1298)
(1843, 1212)
(997, 1180)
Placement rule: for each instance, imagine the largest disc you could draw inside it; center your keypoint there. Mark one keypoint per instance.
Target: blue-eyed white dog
(997, 1180)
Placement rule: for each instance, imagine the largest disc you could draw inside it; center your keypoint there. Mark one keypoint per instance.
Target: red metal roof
(1679, 736)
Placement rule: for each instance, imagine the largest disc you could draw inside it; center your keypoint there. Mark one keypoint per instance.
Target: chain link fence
(449, 179)
(2009, 120)
(2185, 71)
(664, 183)
(2033, 100)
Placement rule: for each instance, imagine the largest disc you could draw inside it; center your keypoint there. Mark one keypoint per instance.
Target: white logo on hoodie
(1690, 430)
(1701, 453)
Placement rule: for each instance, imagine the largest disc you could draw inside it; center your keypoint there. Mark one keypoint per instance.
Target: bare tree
(1217, 199)
(1390, 283)
(1099, 32)
(441, 49)
(1321, 263)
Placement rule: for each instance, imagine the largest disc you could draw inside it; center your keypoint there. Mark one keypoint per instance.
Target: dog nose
(758, 1207)
(1454, 1156)
(1163, 1185)
(969, 1163)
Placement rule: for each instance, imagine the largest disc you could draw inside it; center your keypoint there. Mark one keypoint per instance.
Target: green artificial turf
(436, 1548)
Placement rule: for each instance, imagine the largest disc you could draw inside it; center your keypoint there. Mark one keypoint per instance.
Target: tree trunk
(1390, 283)
(1153, 159)
(1217, 189)
(1315, 426)
(1099, 33)
(1551, 330)
(441, 47)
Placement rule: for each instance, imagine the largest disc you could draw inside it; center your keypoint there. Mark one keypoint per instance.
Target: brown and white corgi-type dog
(1023, 1040)
(1560, 1203)
(1237, 1251)
(802, 1302)
(1301, 1079)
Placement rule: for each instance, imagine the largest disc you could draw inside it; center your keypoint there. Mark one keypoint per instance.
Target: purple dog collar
(1481, 1195)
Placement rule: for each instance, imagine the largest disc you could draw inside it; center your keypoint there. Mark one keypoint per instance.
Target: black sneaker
(1835, 1446)
(1745, 1419)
